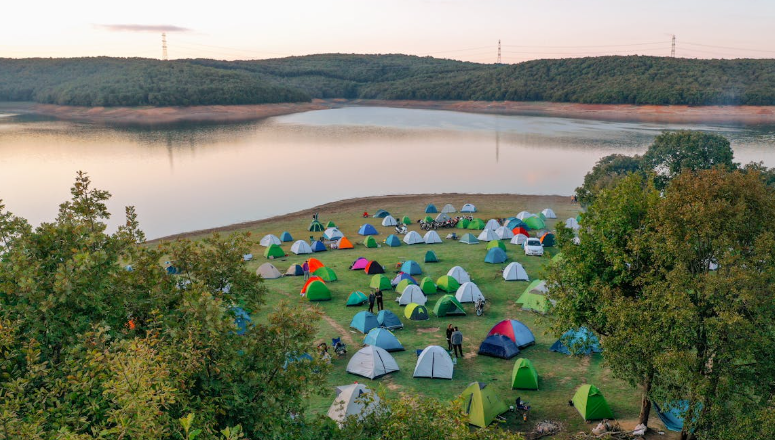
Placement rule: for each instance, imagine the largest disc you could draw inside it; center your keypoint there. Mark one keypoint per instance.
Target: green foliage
(605, 174)
(638, 80)
(674, 152)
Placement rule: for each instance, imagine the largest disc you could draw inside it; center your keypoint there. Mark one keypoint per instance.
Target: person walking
(372, 298)
(378, 294)
(305, 269)
(449, 337)
(457, 342)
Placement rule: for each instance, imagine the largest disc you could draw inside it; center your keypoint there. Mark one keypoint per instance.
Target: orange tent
(520, 230)
(314, 264)
(344, 243)
(309, 281)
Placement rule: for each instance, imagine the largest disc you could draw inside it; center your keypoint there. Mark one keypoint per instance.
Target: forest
(641, 80)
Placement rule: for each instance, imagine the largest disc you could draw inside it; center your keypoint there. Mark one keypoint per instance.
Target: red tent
(309, 281)
(314, 264)
(520, 230)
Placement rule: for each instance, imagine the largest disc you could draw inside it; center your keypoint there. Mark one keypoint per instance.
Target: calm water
(205, 175)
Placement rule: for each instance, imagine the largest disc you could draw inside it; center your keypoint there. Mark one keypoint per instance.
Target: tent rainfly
(371, 362)
(431, 209)
(468, 208)
(434, 362)
(481, 404)
(269, 239)
(431, 237)
(355, 400)
(515, 272)
(384, 339)
(412, 294)
(286, 237)
(392, 241)
(524, 375)
(364, 321)
(469, 292)
(459, 274)
(448, 208)
(498, 346)
(469, 238)
(267, 271)
(591, 404)
(301, 247)
(413, 238)
(333, 234)
(389, 221)
(389, 320)
(548, 213)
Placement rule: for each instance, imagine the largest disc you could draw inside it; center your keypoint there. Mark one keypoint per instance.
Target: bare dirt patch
(341, 330)
(427, 330)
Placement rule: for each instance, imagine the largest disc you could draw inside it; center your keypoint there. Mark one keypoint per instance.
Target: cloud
(141, 28)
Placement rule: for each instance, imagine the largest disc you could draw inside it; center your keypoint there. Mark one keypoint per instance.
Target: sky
(467, 30)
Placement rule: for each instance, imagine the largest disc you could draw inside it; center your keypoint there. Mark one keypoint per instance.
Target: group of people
(376, 296)
(455, 340)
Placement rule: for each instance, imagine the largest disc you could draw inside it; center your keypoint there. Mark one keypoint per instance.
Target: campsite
(560, 375)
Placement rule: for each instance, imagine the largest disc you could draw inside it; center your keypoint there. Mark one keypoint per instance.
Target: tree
(674, 152)
(605, 174)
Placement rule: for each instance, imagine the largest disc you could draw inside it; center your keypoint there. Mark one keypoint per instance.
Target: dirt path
(341, 330)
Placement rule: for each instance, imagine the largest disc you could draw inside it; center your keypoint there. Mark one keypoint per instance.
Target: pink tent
(359, 264)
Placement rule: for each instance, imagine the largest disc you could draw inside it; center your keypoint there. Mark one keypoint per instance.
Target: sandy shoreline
(359, 203)
(744, 115)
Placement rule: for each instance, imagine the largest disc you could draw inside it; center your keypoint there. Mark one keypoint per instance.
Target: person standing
(378, 294)
(457, 342)
(372, 298)
(449, 336)
(305, 269)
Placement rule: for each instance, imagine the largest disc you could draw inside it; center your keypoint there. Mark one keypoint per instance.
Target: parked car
(533, 246)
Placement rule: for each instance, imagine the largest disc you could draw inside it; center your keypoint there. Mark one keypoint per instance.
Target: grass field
(560, 375)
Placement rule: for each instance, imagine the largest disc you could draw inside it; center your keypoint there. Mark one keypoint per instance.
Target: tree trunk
(645, 402)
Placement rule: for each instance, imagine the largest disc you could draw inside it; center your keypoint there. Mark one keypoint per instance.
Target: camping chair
(340, 348)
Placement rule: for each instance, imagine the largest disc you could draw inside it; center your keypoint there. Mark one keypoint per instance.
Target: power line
(582, 46)
(727, 47)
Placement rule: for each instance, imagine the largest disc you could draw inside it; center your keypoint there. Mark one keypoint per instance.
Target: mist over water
(195, 176)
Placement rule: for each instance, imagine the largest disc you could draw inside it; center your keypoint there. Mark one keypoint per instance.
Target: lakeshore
(736, 115)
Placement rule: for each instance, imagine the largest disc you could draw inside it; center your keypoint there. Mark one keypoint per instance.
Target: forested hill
(602, 80)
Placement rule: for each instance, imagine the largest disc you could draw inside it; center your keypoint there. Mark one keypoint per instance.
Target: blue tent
(384, 339)
(393, 241)
(581, 341)
(495, 255)
(513, 222)
(402, 276)
(299, 358)
(172, 270)
(411, 267)
(318, 246)
(515, 330)
(241, 319)
(364, 322)
(389, 320)
(286, 236)
(367, 229)
(431, 209)
(499, 346)
(381, 214)
(673, 418)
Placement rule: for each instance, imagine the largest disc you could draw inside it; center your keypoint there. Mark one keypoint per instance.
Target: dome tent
(468, 208)
(514, 330)
(314, 264)
(523, 215)
(496, 243)
(403, 284)
(269, 239)
(524, 375)
(428, 286)
(326, 274)
(380, 282)
(431, 237)
(492, 224)
(481, 404)
(447, 284)
(318, 291)
(332, 234)
(518, 239)
(591, 404)
(359, 264)
(416, 312)
(515, 272)
(411, 267)
(389, 221)
(373, 267)
(443, 217)
(318, 246)
(435, 363)
(389, 320)
(311, 280)
(294, 271)
(412, 294)
(476, 224)
(372, 362)
(286, 237)
(274, 251)
(448, 208)
(330, 224)
(406, 220)
(548, 213)
(356, 298)
(498, 346)
(392, 241)
(578, 342)
(344, 243)
(430, 257)
(367, 229)
(381, 213)
(413, 238)
(459, 274)
(495, 255)
(364, 321)
(469, 238)
(504, 233)
(267, 271)
(401, 276)
(301, 247)
(487, 235)
(384, 339)
(355, 400)
(448, 305)
(468, 292)
(431, 209)
(316, 226)
(370, 242)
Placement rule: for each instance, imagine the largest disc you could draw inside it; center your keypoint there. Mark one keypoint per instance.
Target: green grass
(559, 375)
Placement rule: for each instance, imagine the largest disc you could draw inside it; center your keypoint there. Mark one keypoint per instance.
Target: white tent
(413, 238)
(518, 239)
(540, 288)
(412, 294)
(301, 247)
(431, 237)
(468, 208)
(434, 362)
(372, 361)
(269, 240)
(504, 233)
(333, 234)
(468, 293)
(576, 240)
(459, 274)
(487, 235)
(515, 272)
(572, 223)
(353, 400)
(492, 224)
(268, 271)
(448, 208)
(548, 213)
(524, 214)
(443, 217)
(389, 221)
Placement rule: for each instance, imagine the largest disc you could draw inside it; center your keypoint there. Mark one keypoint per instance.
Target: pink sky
(464, 30)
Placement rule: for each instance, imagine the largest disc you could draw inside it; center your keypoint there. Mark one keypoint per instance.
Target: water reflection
(197, 176)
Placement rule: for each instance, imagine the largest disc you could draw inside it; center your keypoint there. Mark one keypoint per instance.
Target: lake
(196, 176)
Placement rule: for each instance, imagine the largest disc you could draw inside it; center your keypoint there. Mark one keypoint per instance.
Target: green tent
(380, 282)
(496, 243)
(462, 223)
(557, 258)
(533, 298)
(416, 312)
(428, 219)
(318, 291)
(428, 286)
(477, 224)
(535, 223)
(326, 274)
(591, 404)
(448, 305)
(481, 404)
(274, 251)
(370, 242)
(356, 298)
(524, 375)
(542, 217)
(578, 218)
(402, 285)
(469, 238)
(447, 284)
(330, 224)
(430, 257)
(406, 220)
(316, 226)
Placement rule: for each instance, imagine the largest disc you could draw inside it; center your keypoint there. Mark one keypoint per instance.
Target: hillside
(600, 80)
